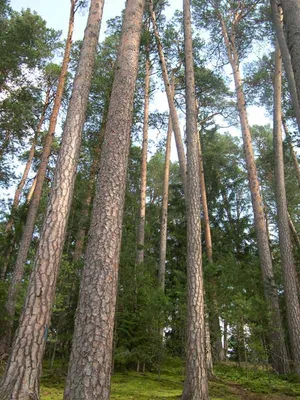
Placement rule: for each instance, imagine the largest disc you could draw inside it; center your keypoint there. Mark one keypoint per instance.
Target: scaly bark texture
(291, 21)
(91, 357)
(142, 216)
(164, 212)
(35, 201)
(21, 379)
(286, 58)
(196, 383)
(285, 242)
(170, 96)
(81, 233)
(279, 356)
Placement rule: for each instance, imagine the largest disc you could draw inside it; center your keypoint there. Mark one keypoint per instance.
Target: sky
(56, 13)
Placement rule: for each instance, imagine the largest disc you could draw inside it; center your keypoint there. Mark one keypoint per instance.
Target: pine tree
(286, 248)
(21, 378)
(196, 384)
(91, 358)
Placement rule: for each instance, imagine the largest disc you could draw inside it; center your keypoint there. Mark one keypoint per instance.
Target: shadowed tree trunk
(285, 242)
(10, 222)
(196, 383)
(91, 357)
(294, 232)
(286, 58)
(35, 201)
(164, 212)
(291, 21)
(142, 216)
(28, 163)
(170, 96)
(214, 326)
(279, 356)
(83, 226)
(21, 379)
(292, 151)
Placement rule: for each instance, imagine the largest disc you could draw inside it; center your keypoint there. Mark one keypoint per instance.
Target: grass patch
(232, 383)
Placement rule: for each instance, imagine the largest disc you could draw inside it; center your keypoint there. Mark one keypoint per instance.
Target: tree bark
(21, 379)
(142, 216)
(285, 242)
(35, 201)
(225, 334)
(292, 151)
(91, 357)
(79, 244)
(170, 96)
(279, 355)
(286, 58)
(31, 190)
(294, 232)
(214, 326)
(196, 383)
(164, 212)
(291, 21)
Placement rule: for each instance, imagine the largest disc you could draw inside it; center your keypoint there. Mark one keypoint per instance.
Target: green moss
(232, 383)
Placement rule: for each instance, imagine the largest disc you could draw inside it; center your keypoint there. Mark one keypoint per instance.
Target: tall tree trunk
(91, 357)
(10, 222)
(170, 96)
(285, 242)
(28, 163)
(225, 335)
(21, 379)
(292, 151)
(79, 244)
(196, 383)
(31, 190)
(279, 355)
(35, 201)
(286, 58)
(142, 216)
(164, 212)
(214, 326)
(291, 21)
(294, 232)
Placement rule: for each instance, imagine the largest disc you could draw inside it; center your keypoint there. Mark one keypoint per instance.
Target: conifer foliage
(119, 252)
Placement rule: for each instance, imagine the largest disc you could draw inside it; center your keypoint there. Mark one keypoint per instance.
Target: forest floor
(231, 383)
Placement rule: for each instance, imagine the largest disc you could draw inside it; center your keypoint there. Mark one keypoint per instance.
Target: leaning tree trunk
(285, 242)
(35, 201)
(286, 58)
(279, 356)
(291, 21)
(142, 216)
(164, 212)
(196, 383)
(83, 226)
(294, 232)
(28, 163)
(91, 357)
(292, 151)
(21, 379)
(10, 222)
(170, 96)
